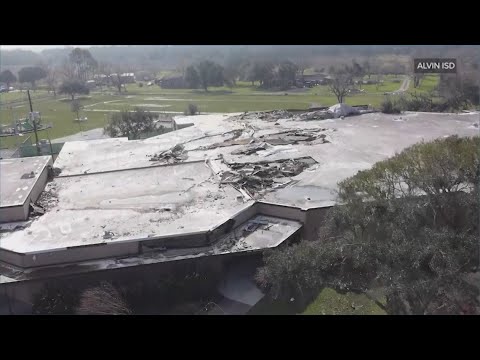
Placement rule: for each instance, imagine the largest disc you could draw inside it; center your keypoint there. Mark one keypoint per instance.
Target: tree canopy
(83, 63)
(191, 77)
(131, 124)
(7, 77)
(73, 87)
(31, 74)
(210, 74)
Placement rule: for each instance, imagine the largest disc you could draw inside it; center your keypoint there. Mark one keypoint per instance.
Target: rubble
(272, 115)
(251, 149)
(108, 234)
(173, 155)
(48, 198)
(315, 115)
(334, 112)
(259, 177)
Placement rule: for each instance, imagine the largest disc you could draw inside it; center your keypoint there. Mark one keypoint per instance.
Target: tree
(287, 72)
(262, 72)
(117, 81)
(191, 77)
(83, 63)
(302, 65)
(7, 77)
(459, 91)
(342, 82)
(51, 79)
(210, 74)
(130, 123)
(76, 107)
(408, 225)
(233, 69)
(74, 87)
(31, 74)
(367, 68)
(102, 300)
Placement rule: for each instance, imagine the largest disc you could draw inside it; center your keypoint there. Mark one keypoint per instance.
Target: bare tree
(67, 70)
(51, 79)
(302, 65)
(342, 82)
(102, 300)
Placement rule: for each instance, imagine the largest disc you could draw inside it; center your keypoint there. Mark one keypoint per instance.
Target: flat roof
(111, 191)
(127, 205)
(15, 181)
(257, 233)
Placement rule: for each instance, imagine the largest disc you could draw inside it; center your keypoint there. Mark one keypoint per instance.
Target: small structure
(128, 78)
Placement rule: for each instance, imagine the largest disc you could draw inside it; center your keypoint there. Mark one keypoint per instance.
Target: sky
(38, 48)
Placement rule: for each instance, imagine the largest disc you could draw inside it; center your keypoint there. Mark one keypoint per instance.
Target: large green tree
(287, 72)
(210, 74)
(7, 77)
(73, 87)
(191, 77)
(31, 74)
(409, 226)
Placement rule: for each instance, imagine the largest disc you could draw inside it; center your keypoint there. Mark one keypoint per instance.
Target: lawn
(98, 106)
(330, 302)
(14, 96)
(57, 113)
(427, 84)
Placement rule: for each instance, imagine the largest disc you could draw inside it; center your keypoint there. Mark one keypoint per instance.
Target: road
(404, 87)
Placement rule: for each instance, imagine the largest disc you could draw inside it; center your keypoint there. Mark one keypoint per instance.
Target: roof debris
(173, 155)
(273, 115)
(259, 177)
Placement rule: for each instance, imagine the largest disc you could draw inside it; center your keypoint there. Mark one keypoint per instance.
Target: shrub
(140, 84)
(390, 106)
(102, 300)
(56, 298)
(192, 109)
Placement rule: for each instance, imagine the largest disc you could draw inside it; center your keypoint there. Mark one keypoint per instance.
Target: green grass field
(427, 84)
(330, 302)
(21, 96)
(98, 106)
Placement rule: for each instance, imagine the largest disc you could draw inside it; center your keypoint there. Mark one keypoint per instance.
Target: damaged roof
(192, 179)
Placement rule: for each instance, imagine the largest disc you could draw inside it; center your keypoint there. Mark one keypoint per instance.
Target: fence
(45, 149)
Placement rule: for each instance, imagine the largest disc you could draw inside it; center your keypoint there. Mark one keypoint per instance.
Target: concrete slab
(127, 205)
(15, 180)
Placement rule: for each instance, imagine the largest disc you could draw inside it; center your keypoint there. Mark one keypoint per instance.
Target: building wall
(14, 213)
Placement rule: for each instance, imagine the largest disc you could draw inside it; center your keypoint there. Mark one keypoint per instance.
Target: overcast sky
(38, 48)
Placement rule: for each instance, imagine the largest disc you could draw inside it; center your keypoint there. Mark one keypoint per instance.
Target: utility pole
(34, 123)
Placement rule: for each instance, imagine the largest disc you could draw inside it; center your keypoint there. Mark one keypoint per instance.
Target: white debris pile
(342, 109)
